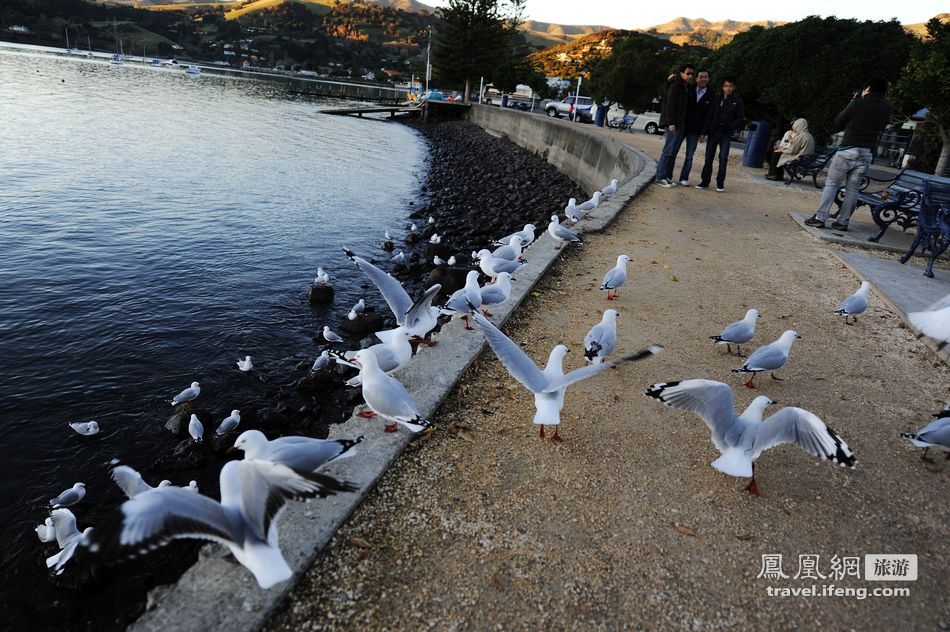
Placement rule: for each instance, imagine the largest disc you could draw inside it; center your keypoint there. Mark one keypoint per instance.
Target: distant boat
(155, 62)
(194, 71)
(71, 51)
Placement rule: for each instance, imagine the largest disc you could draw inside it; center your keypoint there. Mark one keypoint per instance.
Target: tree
(925, 83)
(633, 74)
(810, 68)
(476, 37)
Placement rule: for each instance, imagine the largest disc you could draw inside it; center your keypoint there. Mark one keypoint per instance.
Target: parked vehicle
(565, 107)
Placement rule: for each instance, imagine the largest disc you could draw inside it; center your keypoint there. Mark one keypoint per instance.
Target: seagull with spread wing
(549, 385)
(743, 438)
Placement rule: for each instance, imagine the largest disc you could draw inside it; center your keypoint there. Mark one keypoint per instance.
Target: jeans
(722, 142)
(847, 169)
(671, 146)
(692, 140)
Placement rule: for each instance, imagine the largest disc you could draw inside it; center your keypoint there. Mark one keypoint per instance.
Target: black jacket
(673, 111)
(725, 116)
(696, 110)
(864, 120)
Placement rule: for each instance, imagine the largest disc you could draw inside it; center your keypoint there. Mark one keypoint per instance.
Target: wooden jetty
(375, 109)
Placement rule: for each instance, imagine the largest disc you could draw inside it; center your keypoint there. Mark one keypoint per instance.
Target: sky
(630, 15)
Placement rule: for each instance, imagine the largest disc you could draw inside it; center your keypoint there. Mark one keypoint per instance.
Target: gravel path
(624, 524)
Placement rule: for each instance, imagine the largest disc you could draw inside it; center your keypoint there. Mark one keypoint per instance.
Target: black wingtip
(349, 253)
(656, 390)
(717, 338)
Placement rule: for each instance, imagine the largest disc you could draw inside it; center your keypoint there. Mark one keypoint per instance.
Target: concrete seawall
(217, 593)
(590, 159)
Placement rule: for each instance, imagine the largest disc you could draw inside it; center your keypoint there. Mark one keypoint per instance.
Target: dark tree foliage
(925, 83)
(810, 68)
(477, 37)
(634, 73)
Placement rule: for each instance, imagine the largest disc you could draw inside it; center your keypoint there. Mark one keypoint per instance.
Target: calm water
(153, 229)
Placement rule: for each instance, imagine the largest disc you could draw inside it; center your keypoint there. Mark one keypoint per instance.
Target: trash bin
(756, 144)
(504, 100)
(600, 116)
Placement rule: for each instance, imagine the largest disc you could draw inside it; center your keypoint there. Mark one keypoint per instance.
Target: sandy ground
(625, 524)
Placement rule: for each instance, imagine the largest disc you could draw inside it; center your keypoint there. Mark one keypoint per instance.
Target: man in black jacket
(725, 115)
(673, 118)
(697, 105)
(863, 121)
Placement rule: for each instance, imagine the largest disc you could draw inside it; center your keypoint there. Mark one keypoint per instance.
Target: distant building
(557, 82)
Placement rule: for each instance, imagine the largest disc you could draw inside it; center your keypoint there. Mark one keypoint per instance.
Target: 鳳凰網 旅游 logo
(786, 575)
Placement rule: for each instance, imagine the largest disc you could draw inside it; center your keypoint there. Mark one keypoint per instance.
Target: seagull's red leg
(486, 312)
(556, 438)
(393, 427)
(542, 431)
(609, 295)
(751, 382)
(925, 458)
(366, 414)
(467, 326)
(752, 488)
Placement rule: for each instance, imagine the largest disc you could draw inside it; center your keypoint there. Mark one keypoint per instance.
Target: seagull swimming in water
(85, 428)
(245, 365)
(322, 277)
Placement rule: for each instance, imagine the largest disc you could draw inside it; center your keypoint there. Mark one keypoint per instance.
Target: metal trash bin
(600, 116)
(504, 100)
(757, 144)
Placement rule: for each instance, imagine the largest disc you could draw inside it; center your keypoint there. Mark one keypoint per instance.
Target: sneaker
(684, 183)
(720, 189)
(666, 184)
(702, 186)
(842, 226)
(814, 221)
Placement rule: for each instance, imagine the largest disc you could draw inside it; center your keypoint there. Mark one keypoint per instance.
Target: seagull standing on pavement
(601, 340)
(561, 233)
(934, 435)
(739, 332)
(771, 357)
(855, 304)
(615, 277)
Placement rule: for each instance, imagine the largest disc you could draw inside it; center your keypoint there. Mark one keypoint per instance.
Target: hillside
(920, 29)
(701, 32)
(582, 54)
(545, 34)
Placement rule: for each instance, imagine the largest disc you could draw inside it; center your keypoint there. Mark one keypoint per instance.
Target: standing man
(863, 121)
(723, 119)
(673, 117)
(697, 105)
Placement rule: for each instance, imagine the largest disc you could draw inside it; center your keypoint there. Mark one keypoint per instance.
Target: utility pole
(577, 94)
(429, 61)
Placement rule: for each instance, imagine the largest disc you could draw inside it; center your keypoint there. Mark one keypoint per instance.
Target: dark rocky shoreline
(478, 188)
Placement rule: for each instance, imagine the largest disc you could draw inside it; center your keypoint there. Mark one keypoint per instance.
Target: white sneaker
(700, 187)
(720, 189)
(666, 184)
(684, 183)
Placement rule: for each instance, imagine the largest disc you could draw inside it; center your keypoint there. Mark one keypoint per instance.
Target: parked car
(648, 122)
(565, 107)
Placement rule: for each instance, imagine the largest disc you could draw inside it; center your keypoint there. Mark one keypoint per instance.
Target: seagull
(195, 429)
(131, 482)
(615, 277)
(855, 304)
(935, 435)
(496, 293)
(511, 252)
(465, 300)
(70, 496)
(934, 323)
(67, 536)
(322, 361)
(742, 440)
(418, 317)
(385, 396)
(399, 257)
(526, 235)
(356, 310)
(437, 260)
(253, 493)
(229, 424)
(245, 365)
(771, 357)
(413, 228)
(571, 211)
(431, 220)
(322, 277)
(549, 385)
(435, 239)
(590, 204)
(85, 428)
(610, 189)
(188, 394)
(561, 233)
(330, 336)
(739, 332)
(392, 354)
(601, 340)
(451, 260)
(299, 453)
(493, 266)
(192, 487)
(46, 532)
(387, 236)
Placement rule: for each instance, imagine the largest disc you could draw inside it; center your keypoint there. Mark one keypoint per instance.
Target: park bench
(810, 165)
(898, 202)
(933, 222)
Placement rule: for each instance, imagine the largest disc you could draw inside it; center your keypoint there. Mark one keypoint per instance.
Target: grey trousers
(846, 170)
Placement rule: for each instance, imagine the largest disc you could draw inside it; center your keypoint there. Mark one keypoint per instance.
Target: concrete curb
(217, 593)
(830, 236)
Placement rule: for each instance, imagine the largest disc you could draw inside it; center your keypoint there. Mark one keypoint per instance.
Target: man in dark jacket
(673, 118)
(697, 105)
(725, 116)
(863, 121)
